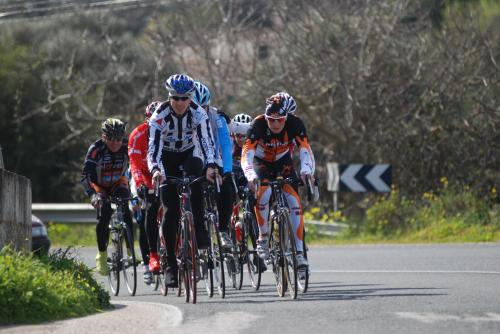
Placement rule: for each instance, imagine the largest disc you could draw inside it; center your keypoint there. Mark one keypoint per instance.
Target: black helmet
(113, 128)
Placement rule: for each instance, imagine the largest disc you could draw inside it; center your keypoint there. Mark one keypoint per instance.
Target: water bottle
(237, 228)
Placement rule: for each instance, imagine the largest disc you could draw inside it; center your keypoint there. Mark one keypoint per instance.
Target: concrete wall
(15, 211)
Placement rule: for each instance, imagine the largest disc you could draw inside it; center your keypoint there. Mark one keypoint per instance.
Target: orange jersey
(137, 152)
(262, 144)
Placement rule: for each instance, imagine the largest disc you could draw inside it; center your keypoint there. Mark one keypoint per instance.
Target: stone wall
(15, 211)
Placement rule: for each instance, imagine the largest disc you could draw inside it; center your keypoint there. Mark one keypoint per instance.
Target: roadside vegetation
(449, 214)
(57, 286)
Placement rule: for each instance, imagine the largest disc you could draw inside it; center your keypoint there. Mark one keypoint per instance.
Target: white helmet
(240, 124)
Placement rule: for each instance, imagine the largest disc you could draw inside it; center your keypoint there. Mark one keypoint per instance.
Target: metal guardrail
(84, 213)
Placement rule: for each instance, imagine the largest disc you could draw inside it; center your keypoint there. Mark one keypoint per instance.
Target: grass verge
(57, 286)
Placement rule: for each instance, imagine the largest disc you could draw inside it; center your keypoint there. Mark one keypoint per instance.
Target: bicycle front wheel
(249, 238)
(129, 266)
(290, 254)
(217, 258)
(191, 254)
(114, 265)
(277, 258)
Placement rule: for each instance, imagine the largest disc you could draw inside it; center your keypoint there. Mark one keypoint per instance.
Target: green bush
(55, 287)
(447, 211)
(72, 234)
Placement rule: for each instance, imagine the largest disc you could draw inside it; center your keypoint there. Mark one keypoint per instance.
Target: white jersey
(172, 133)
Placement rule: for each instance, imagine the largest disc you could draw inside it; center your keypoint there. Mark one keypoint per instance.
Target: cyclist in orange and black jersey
(266, 154)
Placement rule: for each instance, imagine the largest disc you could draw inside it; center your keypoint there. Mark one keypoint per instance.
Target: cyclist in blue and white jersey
(224, 157)
(180, 135)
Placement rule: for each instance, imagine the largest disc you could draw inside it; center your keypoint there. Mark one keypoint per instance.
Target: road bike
(121, 239)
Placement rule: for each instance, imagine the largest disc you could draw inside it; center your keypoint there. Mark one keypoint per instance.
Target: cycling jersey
(103, 169)
(264, 145)
(223, 145)
(173, 133)
(137, 152)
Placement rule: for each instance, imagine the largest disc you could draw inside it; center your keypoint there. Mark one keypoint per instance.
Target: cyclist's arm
(89, 172)
(307, 163)
(247, 156)
(225, 144)
(155, 146)
(204, 133)
(136, 152)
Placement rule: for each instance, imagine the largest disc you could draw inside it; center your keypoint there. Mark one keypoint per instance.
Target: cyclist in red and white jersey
(141, 186)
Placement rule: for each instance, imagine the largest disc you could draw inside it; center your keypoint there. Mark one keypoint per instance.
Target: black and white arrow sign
(359, 178)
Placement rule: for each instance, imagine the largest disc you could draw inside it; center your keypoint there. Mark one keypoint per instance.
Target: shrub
(54, 287)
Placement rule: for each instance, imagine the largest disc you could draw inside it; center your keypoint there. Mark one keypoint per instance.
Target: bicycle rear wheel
(249, 239)
(217, 257)
(290, 254)
(129, 266)
(114, 265)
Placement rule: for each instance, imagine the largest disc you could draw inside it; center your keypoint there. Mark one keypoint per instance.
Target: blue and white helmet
(201, 94)
(281, 103)
(180, 84)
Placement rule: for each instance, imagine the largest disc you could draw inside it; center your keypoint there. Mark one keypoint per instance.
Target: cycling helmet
(281, 103)
(113, 128)
(240, 124)
(201, 94)
(242, 118)
(179, 84)
(151, 108)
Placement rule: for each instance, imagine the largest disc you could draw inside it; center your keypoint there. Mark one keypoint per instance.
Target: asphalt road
(353, 289)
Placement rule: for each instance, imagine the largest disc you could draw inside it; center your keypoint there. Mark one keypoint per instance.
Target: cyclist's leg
(102, 235)
(193, 166)
(122, 191)
(151, 226)
(143, 241)
(296, 215)
(225, 208)
(171, 213)
(102, 227)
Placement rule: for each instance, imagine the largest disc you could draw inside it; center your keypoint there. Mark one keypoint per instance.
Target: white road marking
(410, 271)
(430, 317)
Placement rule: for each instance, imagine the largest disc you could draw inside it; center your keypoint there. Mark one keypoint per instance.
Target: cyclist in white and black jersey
(180, 136)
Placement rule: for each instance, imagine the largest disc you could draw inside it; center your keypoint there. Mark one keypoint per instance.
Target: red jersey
(138, 152)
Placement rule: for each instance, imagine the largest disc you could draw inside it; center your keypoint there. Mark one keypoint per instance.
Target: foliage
(72, 234)
(443, 213)
(55, 287)
(413, 83)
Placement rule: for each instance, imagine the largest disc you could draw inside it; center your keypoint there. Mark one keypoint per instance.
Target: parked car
(40, 242)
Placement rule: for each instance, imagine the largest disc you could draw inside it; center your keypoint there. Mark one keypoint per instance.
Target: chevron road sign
(359, 178)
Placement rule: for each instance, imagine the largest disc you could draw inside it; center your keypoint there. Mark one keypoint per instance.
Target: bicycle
(185, 245)
(244, 231)
(282, 248)
(119, 261)
(212, 259)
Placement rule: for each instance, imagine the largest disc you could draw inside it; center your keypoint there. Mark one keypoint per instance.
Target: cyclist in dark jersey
(103, 175)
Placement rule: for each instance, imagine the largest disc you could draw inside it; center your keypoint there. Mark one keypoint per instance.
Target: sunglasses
(280, 120)
(239, 136)
(114, 139)
(179, 98)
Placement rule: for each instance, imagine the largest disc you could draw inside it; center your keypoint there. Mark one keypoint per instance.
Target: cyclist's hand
(157, 178)
(136, 204)
(254, 185)
(142, 191)
(304, 178)
(97, 199)
(212, 174)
